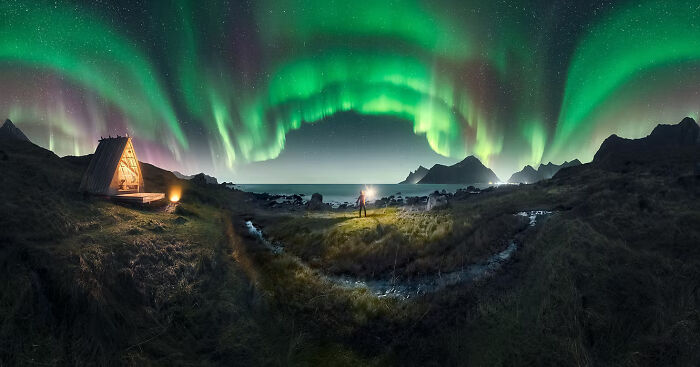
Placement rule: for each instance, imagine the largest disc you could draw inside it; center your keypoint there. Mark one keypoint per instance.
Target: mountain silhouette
(468, 171)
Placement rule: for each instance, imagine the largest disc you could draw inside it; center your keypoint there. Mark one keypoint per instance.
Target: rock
(180, 220)
(465, 193)
(316, 202)
(437, 200)
(262, 196)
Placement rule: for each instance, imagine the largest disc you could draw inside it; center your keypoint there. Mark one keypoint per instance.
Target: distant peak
(469, 160)
(11, 132)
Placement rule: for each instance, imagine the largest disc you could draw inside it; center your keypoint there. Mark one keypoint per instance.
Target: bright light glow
(369, 192)
(175, 194)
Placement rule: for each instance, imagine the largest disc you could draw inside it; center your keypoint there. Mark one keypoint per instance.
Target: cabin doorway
(128, 171)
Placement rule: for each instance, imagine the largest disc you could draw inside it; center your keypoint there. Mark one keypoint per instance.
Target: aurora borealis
(217, 86)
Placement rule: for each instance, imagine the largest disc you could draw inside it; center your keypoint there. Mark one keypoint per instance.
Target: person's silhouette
(361, 202)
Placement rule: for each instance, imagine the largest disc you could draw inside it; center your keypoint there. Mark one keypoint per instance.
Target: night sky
(324, 91)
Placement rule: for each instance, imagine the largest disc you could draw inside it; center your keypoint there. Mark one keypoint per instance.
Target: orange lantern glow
(175, 194)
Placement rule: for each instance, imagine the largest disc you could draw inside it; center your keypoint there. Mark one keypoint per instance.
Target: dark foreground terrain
(612, 277)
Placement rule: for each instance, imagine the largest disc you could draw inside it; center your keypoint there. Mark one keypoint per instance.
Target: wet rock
(465, 193)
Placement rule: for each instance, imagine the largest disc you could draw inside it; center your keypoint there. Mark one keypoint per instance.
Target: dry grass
(400, 241)
(609, 280)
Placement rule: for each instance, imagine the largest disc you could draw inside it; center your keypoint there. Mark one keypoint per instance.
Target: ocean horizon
(342, 193)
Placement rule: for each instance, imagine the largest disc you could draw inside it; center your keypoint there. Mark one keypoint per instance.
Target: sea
(342, 193)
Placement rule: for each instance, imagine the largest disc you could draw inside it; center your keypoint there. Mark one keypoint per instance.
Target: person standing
(361, 202)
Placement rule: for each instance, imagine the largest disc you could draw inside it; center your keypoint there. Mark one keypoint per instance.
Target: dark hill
(526, 175)
(545, 171)
(207, 179)
(45, 183)
(469, 170)
(9, 131)
(415, 176)
(670, 147)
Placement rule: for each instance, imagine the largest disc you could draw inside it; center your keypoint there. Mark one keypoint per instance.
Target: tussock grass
(396, 241)
(610, 279)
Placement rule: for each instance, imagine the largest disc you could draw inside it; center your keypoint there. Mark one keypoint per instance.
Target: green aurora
(220, 85)
(616, 52)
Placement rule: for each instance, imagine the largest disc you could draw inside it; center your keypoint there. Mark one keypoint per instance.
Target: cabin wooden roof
(103, 165)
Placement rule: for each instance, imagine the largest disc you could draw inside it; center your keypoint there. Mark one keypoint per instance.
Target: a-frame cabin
(115, 171)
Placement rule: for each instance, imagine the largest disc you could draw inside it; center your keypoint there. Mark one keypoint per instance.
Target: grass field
(610, 279)
(400, 241)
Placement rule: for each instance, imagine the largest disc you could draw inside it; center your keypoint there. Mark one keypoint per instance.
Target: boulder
(437, 200)
(316, 202)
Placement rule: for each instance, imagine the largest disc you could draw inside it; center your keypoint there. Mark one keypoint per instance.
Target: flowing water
(405, 289)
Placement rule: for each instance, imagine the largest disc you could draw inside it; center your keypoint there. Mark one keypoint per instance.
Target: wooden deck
(139, 197)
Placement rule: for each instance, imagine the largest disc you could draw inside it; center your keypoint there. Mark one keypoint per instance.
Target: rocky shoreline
(297, 202)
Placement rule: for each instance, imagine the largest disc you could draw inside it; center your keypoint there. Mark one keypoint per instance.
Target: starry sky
(326, 91)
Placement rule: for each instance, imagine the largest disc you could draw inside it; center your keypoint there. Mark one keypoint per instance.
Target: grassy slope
(86, 281)
(611, 279)
(398, 241)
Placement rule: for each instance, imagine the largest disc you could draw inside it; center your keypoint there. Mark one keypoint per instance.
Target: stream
(405, 289)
